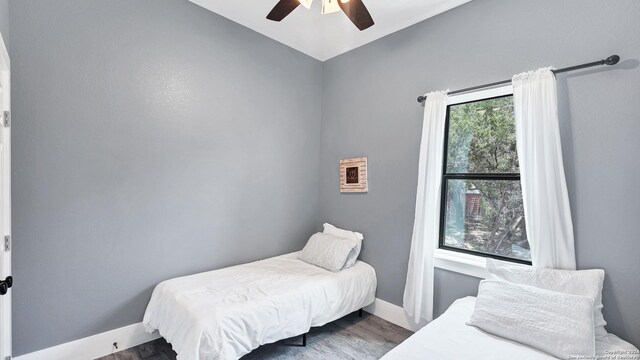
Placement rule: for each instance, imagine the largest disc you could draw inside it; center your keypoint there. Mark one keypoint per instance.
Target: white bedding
(224, 314)
(448, 338)
(556, 323)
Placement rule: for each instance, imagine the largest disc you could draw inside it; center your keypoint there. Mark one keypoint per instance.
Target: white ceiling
(326, 36)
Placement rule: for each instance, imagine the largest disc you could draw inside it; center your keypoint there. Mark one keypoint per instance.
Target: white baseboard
(95, 346)
(393, 314)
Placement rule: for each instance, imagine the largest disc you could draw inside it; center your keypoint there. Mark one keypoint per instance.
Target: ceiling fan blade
(282, 9)
(357, 13)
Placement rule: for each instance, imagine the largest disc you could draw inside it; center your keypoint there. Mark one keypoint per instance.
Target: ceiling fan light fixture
(330, 6)
(306, 3)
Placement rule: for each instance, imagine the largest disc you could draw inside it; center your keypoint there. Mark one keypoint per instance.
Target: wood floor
(349, 338)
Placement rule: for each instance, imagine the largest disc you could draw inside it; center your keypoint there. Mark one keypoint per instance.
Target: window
(482, 211)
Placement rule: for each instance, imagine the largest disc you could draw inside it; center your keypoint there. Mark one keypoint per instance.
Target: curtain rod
(611, 60)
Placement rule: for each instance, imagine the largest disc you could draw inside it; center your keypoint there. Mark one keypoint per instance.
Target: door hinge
(7, 119)
(7, 243)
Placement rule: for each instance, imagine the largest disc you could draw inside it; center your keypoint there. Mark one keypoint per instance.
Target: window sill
(466, 264)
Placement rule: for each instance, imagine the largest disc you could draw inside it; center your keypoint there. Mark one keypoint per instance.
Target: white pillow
(327, 251)
(353, 256)
(576, 282)
(556, 323)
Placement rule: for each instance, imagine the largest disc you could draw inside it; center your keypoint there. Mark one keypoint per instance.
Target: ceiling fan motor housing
(354, 9)
(328, 6)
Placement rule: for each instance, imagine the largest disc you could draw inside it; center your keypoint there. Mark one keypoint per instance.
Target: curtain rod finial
(612, 60)
(422, 98)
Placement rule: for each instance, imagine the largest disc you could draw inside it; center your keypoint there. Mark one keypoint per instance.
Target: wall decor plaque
(353, 175)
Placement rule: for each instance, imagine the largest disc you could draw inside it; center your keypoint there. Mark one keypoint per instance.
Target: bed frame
(304, 336)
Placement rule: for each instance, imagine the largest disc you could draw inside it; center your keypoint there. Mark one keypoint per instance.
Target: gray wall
(370, 109)
(152, 139)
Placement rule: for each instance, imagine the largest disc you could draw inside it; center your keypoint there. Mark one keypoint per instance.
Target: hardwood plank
(149, 349)
(377, 327)
(129, 354)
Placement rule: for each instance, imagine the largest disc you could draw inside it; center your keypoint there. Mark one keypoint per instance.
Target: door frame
(5, 196)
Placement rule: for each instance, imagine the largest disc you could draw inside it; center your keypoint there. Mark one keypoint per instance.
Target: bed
(448, 338)
(224, 314)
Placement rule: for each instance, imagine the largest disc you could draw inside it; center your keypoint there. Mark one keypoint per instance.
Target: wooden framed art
(353, 175)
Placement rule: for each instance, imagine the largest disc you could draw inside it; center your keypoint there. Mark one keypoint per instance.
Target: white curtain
(418, 292)
(544, 188)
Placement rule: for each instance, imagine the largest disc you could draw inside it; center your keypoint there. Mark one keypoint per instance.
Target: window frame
(466, 98)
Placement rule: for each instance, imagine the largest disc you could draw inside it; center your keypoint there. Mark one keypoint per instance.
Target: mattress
(448, 338)
(224, 314)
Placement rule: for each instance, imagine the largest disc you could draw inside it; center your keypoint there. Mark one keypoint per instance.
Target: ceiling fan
(354, 9)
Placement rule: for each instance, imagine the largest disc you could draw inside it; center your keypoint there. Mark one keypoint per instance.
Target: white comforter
(224, 314)
(448, 338)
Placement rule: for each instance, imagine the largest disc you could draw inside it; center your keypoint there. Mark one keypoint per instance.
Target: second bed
(449, 338)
